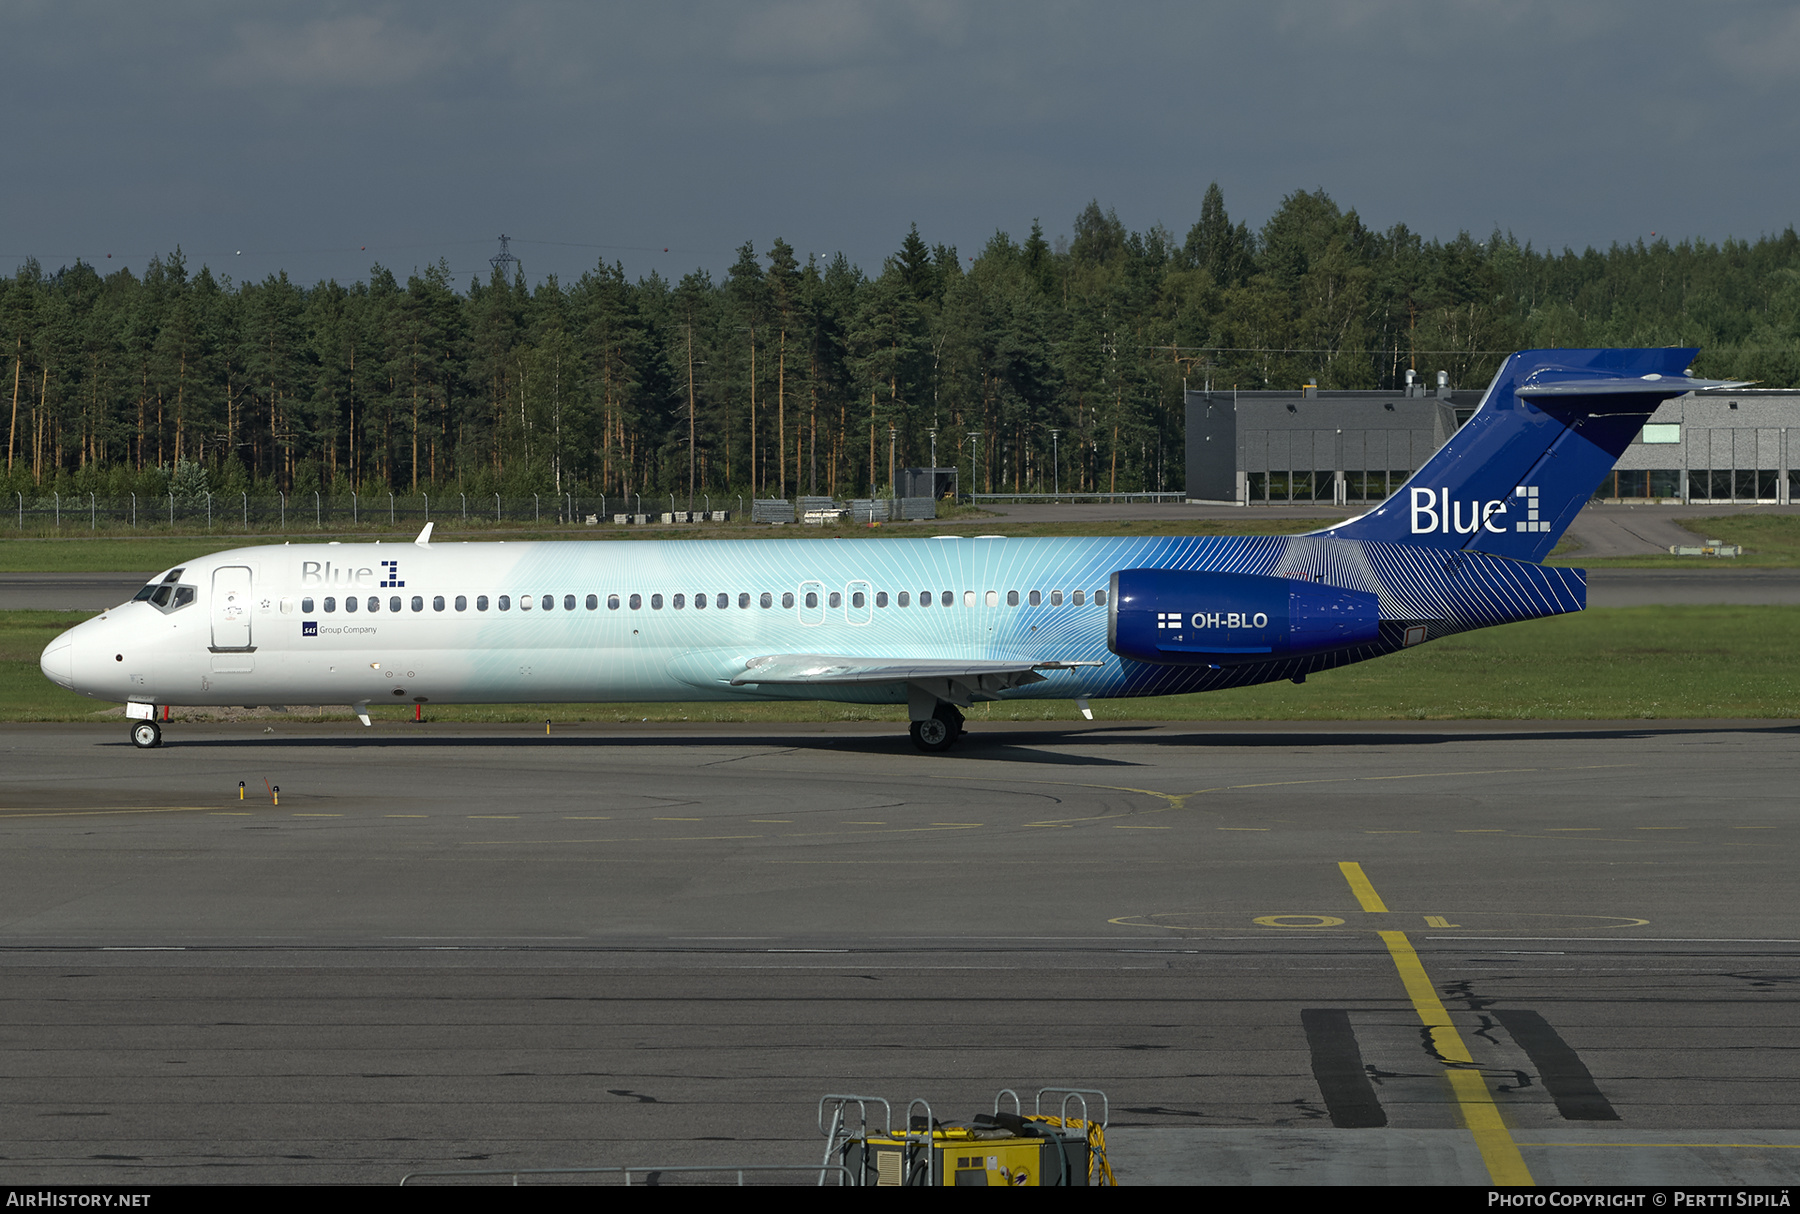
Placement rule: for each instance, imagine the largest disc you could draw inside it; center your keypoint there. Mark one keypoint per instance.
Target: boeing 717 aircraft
(935, 624)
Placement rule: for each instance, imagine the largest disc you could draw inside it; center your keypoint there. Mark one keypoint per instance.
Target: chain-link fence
(54, 513)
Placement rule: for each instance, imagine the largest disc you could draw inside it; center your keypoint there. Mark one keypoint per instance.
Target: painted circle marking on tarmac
(1504, 922)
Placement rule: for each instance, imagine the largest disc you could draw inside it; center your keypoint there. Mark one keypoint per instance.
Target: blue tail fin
(1510, 481)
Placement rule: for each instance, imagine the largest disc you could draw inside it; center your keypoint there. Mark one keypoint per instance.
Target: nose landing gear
(146, 735)
(938, 732)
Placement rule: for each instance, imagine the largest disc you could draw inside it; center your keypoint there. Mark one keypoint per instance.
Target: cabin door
(231, 608)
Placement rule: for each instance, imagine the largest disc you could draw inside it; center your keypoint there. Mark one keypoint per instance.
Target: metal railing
(1147, 496)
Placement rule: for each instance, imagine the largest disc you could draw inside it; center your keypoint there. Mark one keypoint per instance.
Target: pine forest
(789, 378)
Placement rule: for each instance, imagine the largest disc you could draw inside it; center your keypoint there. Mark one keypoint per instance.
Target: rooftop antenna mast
(504, 262)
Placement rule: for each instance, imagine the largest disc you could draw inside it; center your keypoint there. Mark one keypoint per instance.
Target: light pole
(974, 444)
(1055, 466)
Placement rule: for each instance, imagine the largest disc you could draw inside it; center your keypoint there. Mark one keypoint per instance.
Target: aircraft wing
(819, 668)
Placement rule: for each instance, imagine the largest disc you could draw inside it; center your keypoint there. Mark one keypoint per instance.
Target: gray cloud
(302, 133)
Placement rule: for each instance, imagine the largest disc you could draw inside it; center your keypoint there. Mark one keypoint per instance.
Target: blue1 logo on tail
(1430, 515)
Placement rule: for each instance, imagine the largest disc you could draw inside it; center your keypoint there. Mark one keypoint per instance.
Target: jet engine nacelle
(1180, 618)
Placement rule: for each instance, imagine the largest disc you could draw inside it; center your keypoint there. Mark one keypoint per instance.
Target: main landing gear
(938, 732)
(146, 735)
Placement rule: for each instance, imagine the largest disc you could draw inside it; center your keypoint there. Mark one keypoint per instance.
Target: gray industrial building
(1307, 445)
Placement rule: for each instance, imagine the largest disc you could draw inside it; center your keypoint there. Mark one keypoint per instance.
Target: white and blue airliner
(936, 624)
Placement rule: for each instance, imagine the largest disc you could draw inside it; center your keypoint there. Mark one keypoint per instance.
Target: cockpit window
(158, 594)
(165, 596)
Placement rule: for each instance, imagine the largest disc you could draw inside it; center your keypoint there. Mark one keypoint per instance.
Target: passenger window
(1080, 597)
(1056, 598)
(881, 598)
(722, 601)
(837, 600)
(349, 602)
(550, 602)
(374, 603)
(462, 602)
(593, 602)
(679, 603)
(1035, 599)
(330, 604)
(812, 599)
(787, 599)
(394, 603)
(905, 599)
(504, 602)
(948, 598)
(524, 602)
(744, 599)
(481, 602)
(1099, 598)
(699, 602)
(306, 606)
(856, 600)
(637, 601)
(767, 599)
(993, 598)
(287, 606)
(612, 602)
(1012, 598)
(418, 603)
(656, 602)
(437, 602)
(924, 598)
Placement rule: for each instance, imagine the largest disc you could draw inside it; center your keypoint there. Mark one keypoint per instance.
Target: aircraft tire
(933, 736)
(146, 735)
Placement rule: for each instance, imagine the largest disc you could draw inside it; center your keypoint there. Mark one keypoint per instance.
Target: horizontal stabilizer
(1659, 385)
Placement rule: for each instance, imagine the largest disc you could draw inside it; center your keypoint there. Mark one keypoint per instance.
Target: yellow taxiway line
(1479, 1112)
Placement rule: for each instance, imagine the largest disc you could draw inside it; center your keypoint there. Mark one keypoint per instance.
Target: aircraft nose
(58, 663)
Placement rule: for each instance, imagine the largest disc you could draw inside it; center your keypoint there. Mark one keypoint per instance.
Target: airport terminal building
(1266, 447)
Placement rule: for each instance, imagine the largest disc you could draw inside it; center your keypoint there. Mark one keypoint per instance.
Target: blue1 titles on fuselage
(935, 624)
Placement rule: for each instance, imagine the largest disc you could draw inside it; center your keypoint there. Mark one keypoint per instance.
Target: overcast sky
(320, 138)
